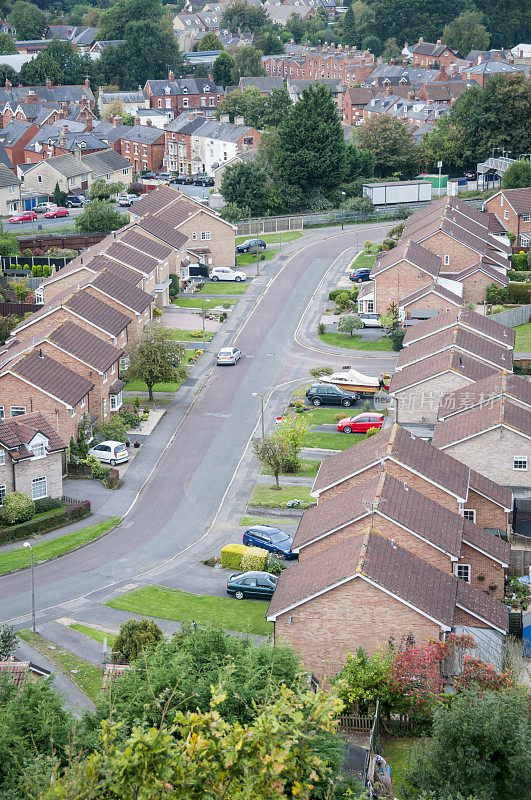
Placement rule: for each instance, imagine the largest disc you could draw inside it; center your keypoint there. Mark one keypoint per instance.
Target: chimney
(387, 91)
(89, 125)
(439, 42)
(62, 136)
(411, 95)
(171, 76)
(149, 123)
(116, 121)
(421, 39)
(87, 84)
(9, 85)
(48, 83)
(224, 118)
(238, 120)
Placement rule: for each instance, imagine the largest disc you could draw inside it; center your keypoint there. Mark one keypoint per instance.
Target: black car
(252, 584)
(148, 175)
(359, 275)
(326, 394)
(184, 179)
(203, 180)
(251, 246)
(74, 201)
(270, 538)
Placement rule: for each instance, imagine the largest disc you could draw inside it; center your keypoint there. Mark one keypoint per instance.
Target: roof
(449, 360)
(18, 671)
(493, 491)
(113, 282)
(112, 672)
(482, 605)
(162, 230)
(412, 252)
(7, 178)
(180, 211)
(66, 165)
(435, 287)
(53, 377)
(181, 86)
(498, 412)
(519, 199)
(146, 244)
(85, 345)
(143, 134)
(485, 326)
(460, 339)
(105, 161)
(481, 266)
(11, 134)
(268, 84)
(131, 257)
(498, 384)
(152, 202)
(100, 314)
(17, 432)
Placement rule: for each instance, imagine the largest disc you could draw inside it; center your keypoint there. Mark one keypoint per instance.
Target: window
(185, 102)
(115, 401)
(370, 306)
(506, 215)
(125, 171)
(205, 236)
(2, 458)
(525, 218)
(38, 488)
(463, 571)
(520, 462)
(104, 377)
(38, 450)
(82, 404)
(113, 369)
(2, 494)
(17, 411)
(194, 235)
(525, 241)
(2, 412)
(446, 260)
(104, 403)
(470, 514)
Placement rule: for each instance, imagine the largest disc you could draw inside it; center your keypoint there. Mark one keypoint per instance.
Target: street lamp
(343, 194)
(261, 396)
(27, 544)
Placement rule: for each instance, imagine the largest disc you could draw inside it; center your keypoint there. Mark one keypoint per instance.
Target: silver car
(229, 355)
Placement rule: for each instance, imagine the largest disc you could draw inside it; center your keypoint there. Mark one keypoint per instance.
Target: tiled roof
(477, 420)
(498, 494)
(112, 672)
(132, 258)
(7, 178)
(53, 377)
(519, 199)
(101, 314)
(67, 165)
(179, 212)
(410, 251)
(468, 319)
(431, 287)
(482, 605)
(456, 361)
(18, 432)
(478, 537)
(481, 266)
(144, 134)
(163, 231)
(152, 202)
(18, 671)
(460, 339)
(86, 346)
(112, 282)
(481, 392)
(146, 245)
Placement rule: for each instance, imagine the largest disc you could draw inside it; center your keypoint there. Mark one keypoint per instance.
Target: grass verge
(224, 612)
(140, 386)
(272, 238)
(224, 287)
(523, 338)
(331, 441)
(309, 467)
(81, 672)
(364, 260)
(191, 302)
(273, 498)
(186, 336)
(354, 342)
(94, 633)
(249, 259)
(249, 520)
(16, 559)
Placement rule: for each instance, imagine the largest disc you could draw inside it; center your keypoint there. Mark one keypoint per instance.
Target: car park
(110, 452)
(23, 216)
(260, 585)
(228, 355)
(360, 423)
(74, 201)
(42, 208)
(57, 212)
(269, 538)
(126, 199)
(227, 274)
(370, 320)
(203, 180)
(251, 246)
(320, 394)
(360, 275)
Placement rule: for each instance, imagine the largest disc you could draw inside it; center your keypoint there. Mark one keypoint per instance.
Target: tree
(7, 324)
(268, 41)
(59, 197)
(153, 358)
(8, 640)
(277, 105)
(113, 430)
(481, 742)
(372, 43)
(201, 71)
(100, 216)
(466, 32)
(60, 63)
(311, 148)
(349, 36)
(7, 45)
(271, 452)
(245, 184)
(241, 15)
(222, 69)
(391, 50)
(115, 19)
(247, 63)
(291, 432)
(210, 42)
(19, 286)
(518, 176)
(100, 190)
(389, 320)
(250, 105)
(134, 638)
(407, 20)
(348, 323)
(391, 143)
(28, 20)
(507, 20)
(7, 73)
(359, 162)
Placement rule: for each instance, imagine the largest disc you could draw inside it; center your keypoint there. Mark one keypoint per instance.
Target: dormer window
(185, 90)
(38, 449)
(206, 89)
(167, 90)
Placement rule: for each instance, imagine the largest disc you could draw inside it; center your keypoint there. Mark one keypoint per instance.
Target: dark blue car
(272, 539)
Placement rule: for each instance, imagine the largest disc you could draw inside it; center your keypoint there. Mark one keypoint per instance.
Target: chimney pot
(171, 76)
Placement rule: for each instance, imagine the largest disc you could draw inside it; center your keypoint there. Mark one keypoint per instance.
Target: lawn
(85, 675)
(332, 440)
(191, 302)
(272, 238)
(186, 336)
(16, 559)
(224, 287)
(265, 521)
(249, 259)
(301, 391)
(272, 498)
(363, 261)
(325, 416)
(397, 753)
(94, 633)
(140, 386)
(523, 338)
(308, 469)
(354, 342)
(224, 612)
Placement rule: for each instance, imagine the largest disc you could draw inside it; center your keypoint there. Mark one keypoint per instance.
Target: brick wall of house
(461, 256)
(462, 617)
(16, 153)
(475, 287)
(498, 205)
(221, 242)
(488, 514)
(149, 159)
(397, 282)
(68, 281)
(481, 564)
(354, 615)
(332, 539)
(49, 467)
(492, 453)
(431, 301)
(422, 401)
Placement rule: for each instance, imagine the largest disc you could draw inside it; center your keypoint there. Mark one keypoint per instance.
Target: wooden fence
(73, 241)
(354, 723)
(19, 309)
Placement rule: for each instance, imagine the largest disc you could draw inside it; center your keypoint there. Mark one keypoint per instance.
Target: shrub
(113, 479)
(366, 406)
(99, 471)
(371, 432)
(113, 430)
(231, 555)
(48, 504)
(275, 566)
(135, 636)
(518, 293)
(321, 329)
(519, 261)
(343, 300)
(129, 415)
(291, 465)
(18, 507)
(157, 312)
(334, 293)
(254, 558)
(174, 285)
(397, 339)
(63, 516)
(318, 372)
(522, 275)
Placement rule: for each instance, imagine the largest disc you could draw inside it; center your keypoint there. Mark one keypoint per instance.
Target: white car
(126, 199)
(42, 208)
(227, 274)
(110, 452)
(229, 355)
(370, 320)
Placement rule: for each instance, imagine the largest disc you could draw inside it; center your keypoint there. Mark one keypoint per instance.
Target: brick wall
(431, 301)
(397, 282)
(460, 256)
(481, 564)
(64, 315)
(475, 287)
(49, 467)
(422, 401)
(221, 242)
(491, 453)
(498, 205)
(488, 514)
(68, 281)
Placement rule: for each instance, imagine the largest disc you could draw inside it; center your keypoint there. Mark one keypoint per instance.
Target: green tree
(348, 323)
(222, 69)
(350, 34)
(210, 42)
(268, 41)
(101, 190)
(19, 286)
(467, 32)
(311, 148)
(135, 637)
(250, 105)
(407, 20)
(100, 216)
(391, 143)
(359, 162)
(113, 430)
(291, 433)
(273, 453)
(481, 742)
(59, 197)
(115, 19)
(7, 45)
(9, 244)
(8, 640)
(241, 15)
(508, 21)
(7, 324)
(245, 184)
(277, 105)
(247, 63)
(518, 176)
(201, 71)
(60, 63)
(391, 49)
(372, 43)
(28, 20)
(7, 73)
(153, 358)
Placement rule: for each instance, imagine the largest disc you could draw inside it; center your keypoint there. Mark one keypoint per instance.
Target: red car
(57, 212)
(23, 216)
(361, 423)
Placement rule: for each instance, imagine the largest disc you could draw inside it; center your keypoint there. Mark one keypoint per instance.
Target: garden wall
(513, 316)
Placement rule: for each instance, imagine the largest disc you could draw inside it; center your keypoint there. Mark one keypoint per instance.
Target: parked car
(229, 355)
(361, 423)
(471, 176)
(74, 201)
(42, 208)
(325, 394)
(164, 176)
(23, 216)
(227, 274)
(186, 179)
(270, 538)
(60, 211)
(203, 180)
(251, 246)
(370, 320)
(126, 199)
(359, 275)
(110, 452)
(252, 584)
(148, 175)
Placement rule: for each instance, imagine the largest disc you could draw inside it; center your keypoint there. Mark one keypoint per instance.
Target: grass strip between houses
(354, 342)
(272, 498)
(85, 675)
(192, 302)
(273, 238)
(224, 612)
(309, 468)
(224, 287)
(331, 441)
(523, 338)
(276, 522)
(94, 633)
(20, 557)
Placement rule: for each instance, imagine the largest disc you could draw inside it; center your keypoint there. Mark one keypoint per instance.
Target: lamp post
(261, 396)
(27, 544)
(342, 196)
(203, 323)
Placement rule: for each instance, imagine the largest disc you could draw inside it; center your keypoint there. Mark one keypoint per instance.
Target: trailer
(356, 382)
(383, 194)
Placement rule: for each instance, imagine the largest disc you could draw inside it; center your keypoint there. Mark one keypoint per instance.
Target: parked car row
(188, 180)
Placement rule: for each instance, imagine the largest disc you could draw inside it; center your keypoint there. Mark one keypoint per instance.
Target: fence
(72, 241)
(19, 309)
(520, 562)
(355, 723)
(270, 225)
(513, 316)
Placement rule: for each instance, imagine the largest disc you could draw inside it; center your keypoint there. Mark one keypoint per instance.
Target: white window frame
(115, 401)
(205, 236)
(19, 411)
(526, 218)
(2, 412)
(370, 306)
(520, 463)
(2, 457)
(38, 450)
(469, 513)
(506, 214)
(35, 483)
(113, 369)
(462, 570)
(194, 235)
(104, 377)
(447, 260)
(2, 494)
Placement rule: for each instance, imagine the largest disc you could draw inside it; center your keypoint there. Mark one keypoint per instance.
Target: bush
(519, 261)
(157, 312)
(254, 558)
(174, 285)
(47, 504)
(522, 275)
(518, 293)
(113, 479)
(99, 471)
(371, 432)
(18, 507)
(231, 555)
(397, 339)
(135, 636)
(321, 329)
(62, 516)
(291, 465)
(275, 565)
(366, 406)
(113, 430)
(334, 293)
(129, 415)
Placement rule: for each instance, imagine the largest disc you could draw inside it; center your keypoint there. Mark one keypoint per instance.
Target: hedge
(63, 516)
(521, 275)
(519, 293)
(231, 555)
(254, 559)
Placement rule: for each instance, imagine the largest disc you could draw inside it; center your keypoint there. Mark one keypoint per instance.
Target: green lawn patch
(224, 287)
(354, 342)
(301, 391)
(249, 259)
(308, 469)
(81, 672)
(224, 612)
(94, 633)
(523, 338)
(186, 336)
(140, 386)
(397, 752)
(192, 302)
(364, 259)
(275, 521)
(332, 440)
(16, 559)
(271, 238)
(273, 498)
(326, 416)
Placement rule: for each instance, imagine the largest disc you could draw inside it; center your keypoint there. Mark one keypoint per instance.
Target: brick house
(200, 145)
(490, 330)
(512, 208)
(432, 297)
(410, 519)
(14, 138)
(116, 288)
(346, 64)
(424, 468)
(366, 591)
(503, 384)
(476, 278)
(143, 147)
(355, 100)
(31, 453)
(426, 54)
(182, 94)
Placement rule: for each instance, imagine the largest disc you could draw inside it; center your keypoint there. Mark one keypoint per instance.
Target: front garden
(23, 517)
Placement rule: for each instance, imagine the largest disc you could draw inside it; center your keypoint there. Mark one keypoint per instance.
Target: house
(433, 297)
(201, 145)
(153, 117)
(355, 100)
(10, 195)
(281, 14)
(14, 138)
(424, 468)
(468, 320)
(77, 172)
(426, 54)
(219, 171)
(504, 384)
(266, 86)
(20, 672)
(143, 147)
(130, 101)
(488, 69)
(82, 37)
(31, 457)
(512, 208)
(182, 94)
(366, 591)
(63, 95)
(296, 87)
